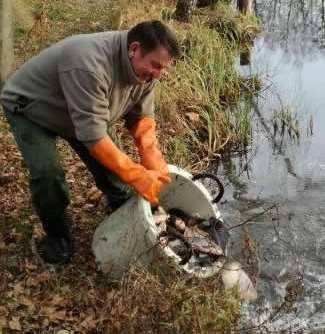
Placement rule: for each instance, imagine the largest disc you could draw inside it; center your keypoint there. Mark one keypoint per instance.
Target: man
(77, 89)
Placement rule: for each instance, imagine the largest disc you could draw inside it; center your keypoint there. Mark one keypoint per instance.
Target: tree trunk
(184, 9)
(6, 39)
(205, 3)
(245, 6)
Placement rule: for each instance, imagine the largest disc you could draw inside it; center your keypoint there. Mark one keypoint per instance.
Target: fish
(202, 243)
(184, 252)
(201, 247)
(214, 226)
(188, 219)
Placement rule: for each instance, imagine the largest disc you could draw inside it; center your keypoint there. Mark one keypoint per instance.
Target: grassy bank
(196, 121)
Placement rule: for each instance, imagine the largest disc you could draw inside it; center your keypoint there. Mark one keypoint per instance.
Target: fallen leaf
(89, 322)
(3, 322)
(58, 300)
(27, 302)
(193, 116)
(19, 288)
(14, 324)
(94, 195)
(30, 266)
(3, 310)
(60, 315)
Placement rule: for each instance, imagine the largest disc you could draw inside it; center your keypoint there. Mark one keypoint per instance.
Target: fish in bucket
(186, 230)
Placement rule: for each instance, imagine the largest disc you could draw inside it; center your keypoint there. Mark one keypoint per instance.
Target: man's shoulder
(83, 40)
(90, 51)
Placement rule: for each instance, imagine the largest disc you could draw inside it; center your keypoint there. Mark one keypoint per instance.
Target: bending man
(76, 89)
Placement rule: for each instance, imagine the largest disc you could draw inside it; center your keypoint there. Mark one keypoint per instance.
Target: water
(286, 245)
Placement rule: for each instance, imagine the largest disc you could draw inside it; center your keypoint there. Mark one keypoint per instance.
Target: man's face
(150, 65)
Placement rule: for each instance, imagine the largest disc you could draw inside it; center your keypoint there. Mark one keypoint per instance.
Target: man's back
(38, 78)
(77, 85)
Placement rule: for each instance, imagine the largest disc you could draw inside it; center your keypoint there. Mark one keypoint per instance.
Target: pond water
(285, 246)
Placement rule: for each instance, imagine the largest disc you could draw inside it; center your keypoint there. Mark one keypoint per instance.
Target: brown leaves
(94, 195)
(3, 316)
(89, 322)
(6, 178)
(29, 303)
(14, 324)
(37, 278)
(36, 298)
(193, 117)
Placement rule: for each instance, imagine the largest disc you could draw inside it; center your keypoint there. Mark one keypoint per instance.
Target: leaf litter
(38, 298)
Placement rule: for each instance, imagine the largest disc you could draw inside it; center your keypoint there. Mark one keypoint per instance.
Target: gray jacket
(81, 85)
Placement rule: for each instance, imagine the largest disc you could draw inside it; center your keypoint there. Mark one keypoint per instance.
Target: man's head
(151, 48)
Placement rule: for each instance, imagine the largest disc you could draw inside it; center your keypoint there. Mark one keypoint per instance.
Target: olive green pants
(50, 193)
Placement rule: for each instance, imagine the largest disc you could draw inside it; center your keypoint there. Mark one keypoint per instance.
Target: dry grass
(76, 297)
(195, 100)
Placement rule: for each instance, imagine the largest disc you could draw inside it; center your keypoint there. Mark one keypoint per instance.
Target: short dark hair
(152, 34)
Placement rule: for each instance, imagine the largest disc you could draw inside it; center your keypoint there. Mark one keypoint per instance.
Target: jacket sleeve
(87, 103)
(144, 107)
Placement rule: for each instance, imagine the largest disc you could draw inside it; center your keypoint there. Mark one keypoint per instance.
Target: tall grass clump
(150, 303)
(195, 101)
(204, 84)
(196, 86)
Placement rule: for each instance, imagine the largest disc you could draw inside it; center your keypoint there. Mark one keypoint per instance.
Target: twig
(36, 255)
(253, 217)
(269, 319)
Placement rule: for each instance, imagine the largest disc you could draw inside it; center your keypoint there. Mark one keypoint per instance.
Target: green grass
(206, 83)
(57, 19)
(286, 121)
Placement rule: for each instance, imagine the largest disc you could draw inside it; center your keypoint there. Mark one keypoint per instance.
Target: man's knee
(48, 170)
(49, 188)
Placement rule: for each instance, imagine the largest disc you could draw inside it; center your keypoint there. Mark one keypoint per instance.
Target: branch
(253, 217)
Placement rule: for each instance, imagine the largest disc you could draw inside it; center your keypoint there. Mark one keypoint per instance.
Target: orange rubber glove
(146, 182)
(144, 135)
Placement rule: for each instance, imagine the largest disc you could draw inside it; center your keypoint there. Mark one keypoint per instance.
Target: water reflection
(296, 26)
(284, 168)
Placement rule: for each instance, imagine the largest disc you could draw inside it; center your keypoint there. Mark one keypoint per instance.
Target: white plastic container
(129, 234)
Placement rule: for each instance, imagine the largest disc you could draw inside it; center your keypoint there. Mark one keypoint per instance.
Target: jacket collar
(128, 74)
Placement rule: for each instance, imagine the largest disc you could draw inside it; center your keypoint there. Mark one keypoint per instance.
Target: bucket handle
(214, 178)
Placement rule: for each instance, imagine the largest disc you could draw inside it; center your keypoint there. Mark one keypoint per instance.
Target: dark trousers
(50, 193)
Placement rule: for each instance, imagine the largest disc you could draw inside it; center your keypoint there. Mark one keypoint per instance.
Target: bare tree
(245, 6)
(204, 3)
(184, 9)
(6, 35)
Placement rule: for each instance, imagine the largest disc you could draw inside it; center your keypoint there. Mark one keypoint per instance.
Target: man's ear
(133, 48)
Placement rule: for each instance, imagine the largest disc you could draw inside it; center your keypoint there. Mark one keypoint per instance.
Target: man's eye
(157, 66)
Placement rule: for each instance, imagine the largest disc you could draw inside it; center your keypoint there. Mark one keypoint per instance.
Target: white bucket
(130, 234)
